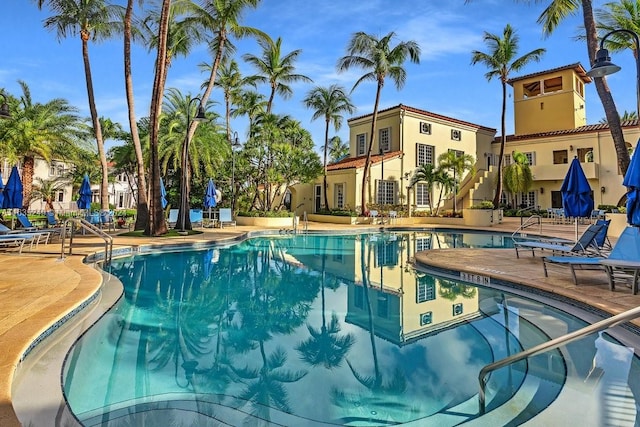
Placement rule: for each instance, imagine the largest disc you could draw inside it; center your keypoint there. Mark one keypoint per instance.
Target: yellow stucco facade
(550, 128)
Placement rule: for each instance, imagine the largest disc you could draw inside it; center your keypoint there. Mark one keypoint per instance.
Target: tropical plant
(428, 174)
(501, 60)
(328, 103)
(338, 150)
(276, 68)
(625, 117)
(517, 175)
(47, 189)
(459, 163)
(48, 130)
(92, 20)
(379, 60)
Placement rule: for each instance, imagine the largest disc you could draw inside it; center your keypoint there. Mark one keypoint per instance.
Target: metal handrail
(529, 223)
(306, 222)
(551, 345)
(70, 224)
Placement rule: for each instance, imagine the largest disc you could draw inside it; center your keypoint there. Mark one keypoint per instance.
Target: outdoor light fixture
(200, 115)
(4, 108)
(603, 65)
(603, 189)
(235, 144)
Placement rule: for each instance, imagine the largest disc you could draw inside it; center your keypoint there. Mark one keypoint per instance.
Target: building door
(317, 198)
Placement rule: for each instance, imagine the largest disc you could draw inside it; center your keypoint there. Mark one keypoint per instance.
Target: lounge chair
(32, 236)
(196, 217)
(622, 264)
(173, 217)
(12, 241)
(585, 242)
(225, 217)
(374, 216)
(24, 222)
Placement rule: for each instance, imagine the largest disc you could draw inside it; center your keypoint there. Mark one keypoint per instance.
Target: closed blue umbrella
(1, 190)
(577, 200)
(163, 194)
(632, 182)
(210, 197)
(84, 201)
(13, 191)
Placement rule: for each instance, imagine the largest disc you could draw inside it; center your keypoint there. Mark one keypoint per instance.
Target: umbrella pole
(576, 229)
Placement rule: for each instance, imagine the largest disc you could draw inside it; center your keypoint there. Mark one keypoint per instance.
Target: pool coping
(88, 280)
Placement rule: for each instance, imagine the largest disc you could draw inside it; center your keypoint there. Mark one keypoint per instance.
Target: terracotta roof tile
(582, 129)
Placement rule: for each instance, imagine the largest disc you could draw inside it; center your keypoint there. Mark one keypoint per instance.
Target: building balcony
(558, 172)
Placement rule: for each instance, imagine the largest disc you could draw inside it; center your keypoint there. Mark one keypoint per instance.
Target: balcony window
(560, 157)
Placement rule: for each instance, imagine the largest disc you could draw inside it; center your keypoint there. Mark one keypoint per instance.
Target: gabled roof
(577, 67)
(427, 114)
(358, 162)
(582, 129)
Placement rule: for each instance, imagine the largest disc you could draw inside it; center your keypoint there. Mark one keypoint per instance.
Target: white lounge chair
(225, 217)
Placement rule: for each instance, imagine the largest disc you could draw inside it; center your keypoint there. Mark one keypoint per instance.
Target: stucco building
(550, 129)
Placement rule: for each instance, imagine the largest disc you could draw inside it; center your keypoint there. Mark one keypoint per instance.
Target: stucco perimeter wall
(265, 222)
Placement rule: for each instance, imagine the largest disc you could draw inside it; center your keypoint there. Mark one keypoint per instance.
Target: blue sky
(444, 82)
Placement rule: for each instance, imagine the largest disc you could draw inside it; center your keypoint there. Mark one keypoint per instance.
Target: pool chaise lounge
(585, 242)
(621, 266)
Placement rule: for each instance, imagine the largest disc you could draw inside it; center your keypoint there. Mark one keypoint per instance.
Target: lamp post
(235, 144)
(4, 108)
(603, 66)
(407, 177)
(185, 161)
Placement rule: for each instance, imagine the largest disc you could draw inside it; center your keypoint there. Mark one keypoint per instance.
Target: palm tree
(157, 225)
(142, 208)
(501, 60)
(378, 59)
(328, 103)
(427, 173)
(275, 68)
(550, 18)
(625, 117)
(91, 20)
(459, 163)
(46, 189)
(517, 176)
(222, 18)
(46, 130)
(252, 104)
(337, 149)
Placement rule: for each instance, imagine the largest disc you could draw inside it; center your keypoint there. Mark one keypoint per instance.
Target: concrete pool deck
(37, 288)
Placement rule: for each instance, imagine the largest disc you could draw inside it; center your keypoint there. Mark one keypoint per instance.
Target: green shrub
(485, 204)
(267, 214)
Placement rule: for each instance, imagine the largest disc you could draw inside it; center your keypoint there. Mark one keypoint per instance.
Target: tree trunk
(326, 147)
(142, 208)
(365, 173)
(28, 164)
(610, 110)
(104, 184)
(157, 225)
(498, 195)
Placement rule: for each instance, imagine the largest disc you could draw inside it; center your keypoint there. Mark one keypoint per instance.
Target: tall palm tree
(222, 18)
(625, 117)
(459, 163)
(501, 60)
(92, 20)
(275, 68)
(517, 175)
(337, 149)
(550, 19)
(328, 103)
(157, 225)
(379, 60)
(252, 104)
(142, 208)
(45, 130)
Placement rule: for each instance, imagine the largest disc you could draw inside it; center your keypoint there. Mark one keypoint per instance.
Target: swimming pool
(321, 330)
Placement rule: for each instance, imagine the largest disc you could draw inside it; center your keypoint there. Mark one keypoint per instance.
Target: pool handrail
(69, 228)
(550, 345)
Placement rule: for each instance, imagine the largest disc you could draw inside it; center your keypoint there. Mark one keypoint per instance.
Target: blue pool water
(314, 330)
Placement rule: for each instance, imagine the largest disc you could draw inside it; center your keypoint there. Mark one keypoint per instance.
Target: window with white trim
(423, 243)
(531, 157)
(422, 194)
(361, 140)
(386, 192)
(426, 289)
(459, 153)
(384, 139)
(60, 196)
(425, 154)
(56, 169)
(338, 191)
(425, 128)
